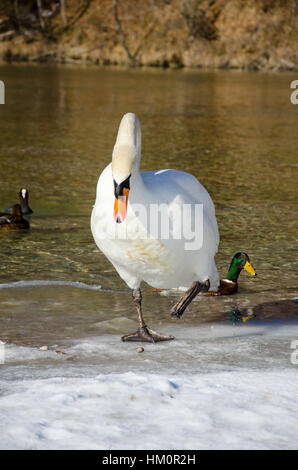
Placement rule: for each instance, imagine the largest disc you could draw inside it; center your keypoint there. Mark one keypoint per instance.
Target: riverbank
(232, 34)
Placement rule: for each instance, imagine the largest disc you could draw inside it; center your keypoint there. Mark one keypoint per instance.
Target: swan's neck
(127, 149)
(129, 132)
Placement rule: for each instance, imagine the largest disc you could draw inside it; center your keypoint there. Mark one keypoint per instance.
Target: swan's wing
(174, 185)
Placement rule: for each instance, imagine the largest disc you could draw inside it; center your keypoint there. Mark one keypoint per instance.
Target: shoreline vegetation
(218, 34)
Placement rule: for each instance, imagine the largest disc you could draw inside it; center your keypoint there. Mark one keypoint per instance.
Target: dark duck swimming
(14, 220)
(24, 203)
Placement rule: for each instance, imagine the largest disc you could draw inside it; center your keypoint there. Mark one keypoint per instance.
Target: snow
(218, 386)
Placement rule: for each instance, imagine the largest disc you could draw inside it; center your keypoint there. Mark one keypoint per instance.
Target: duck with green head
(229, 285)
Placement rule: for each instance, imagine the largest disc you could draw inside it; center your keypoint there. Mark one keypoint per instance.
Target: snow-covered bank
(226, 410)
(217, 387)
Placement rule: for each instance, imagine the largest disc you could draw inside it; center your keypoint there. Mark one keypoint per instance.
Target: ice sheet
(37, 283)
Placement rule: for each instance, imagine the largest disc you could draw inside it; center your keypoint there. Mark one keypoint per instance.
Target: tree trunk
(63, 12)
(41, 21)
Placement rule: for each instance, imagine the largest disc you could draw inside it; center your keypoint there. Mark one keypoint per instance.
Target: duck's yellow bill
(249, 268)
(120, 206)
(244, 319)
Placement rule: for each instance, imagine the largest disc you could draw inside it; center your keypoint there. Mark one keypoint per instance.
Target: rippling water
(236, 132)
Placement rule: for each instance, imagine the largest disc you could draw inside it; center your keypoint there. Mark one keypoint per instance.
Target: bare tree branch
(17, 14)
(39, 8)
(76, 17)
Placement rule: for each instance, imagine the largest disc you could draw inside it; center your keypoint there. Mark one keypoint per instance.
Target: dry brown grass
(245, 34)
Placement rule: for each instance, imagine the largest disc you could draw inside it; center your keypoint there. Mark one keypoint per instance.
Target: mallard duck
(229, 285)
(24, 197)
(14, 220)
(125, 199)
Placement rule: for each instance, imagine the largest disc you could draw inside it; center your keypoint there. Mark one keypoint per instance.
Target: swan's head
(125, 162)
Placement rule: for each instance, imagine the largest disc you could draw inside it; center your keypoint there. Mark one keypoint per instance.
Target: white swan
(154, 226)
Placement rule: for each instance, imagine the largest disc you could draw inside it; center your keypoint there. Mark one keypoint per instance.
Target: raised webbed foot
(196, 287)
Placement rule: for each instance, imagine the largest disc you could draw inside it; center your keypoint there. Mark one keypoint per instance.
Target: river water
(235, 131)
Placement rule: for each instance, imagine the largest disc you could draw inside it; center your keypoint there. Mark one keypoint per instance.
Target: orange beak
(120, 206)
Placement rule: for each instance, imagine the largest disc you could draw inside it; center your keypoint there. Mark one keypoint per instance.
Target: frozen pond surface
(220, 385)
(215, 387)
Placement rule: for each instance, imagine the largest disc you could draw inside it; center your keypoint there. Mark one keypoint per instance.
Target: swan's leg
(189, 295)
(143, 333)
